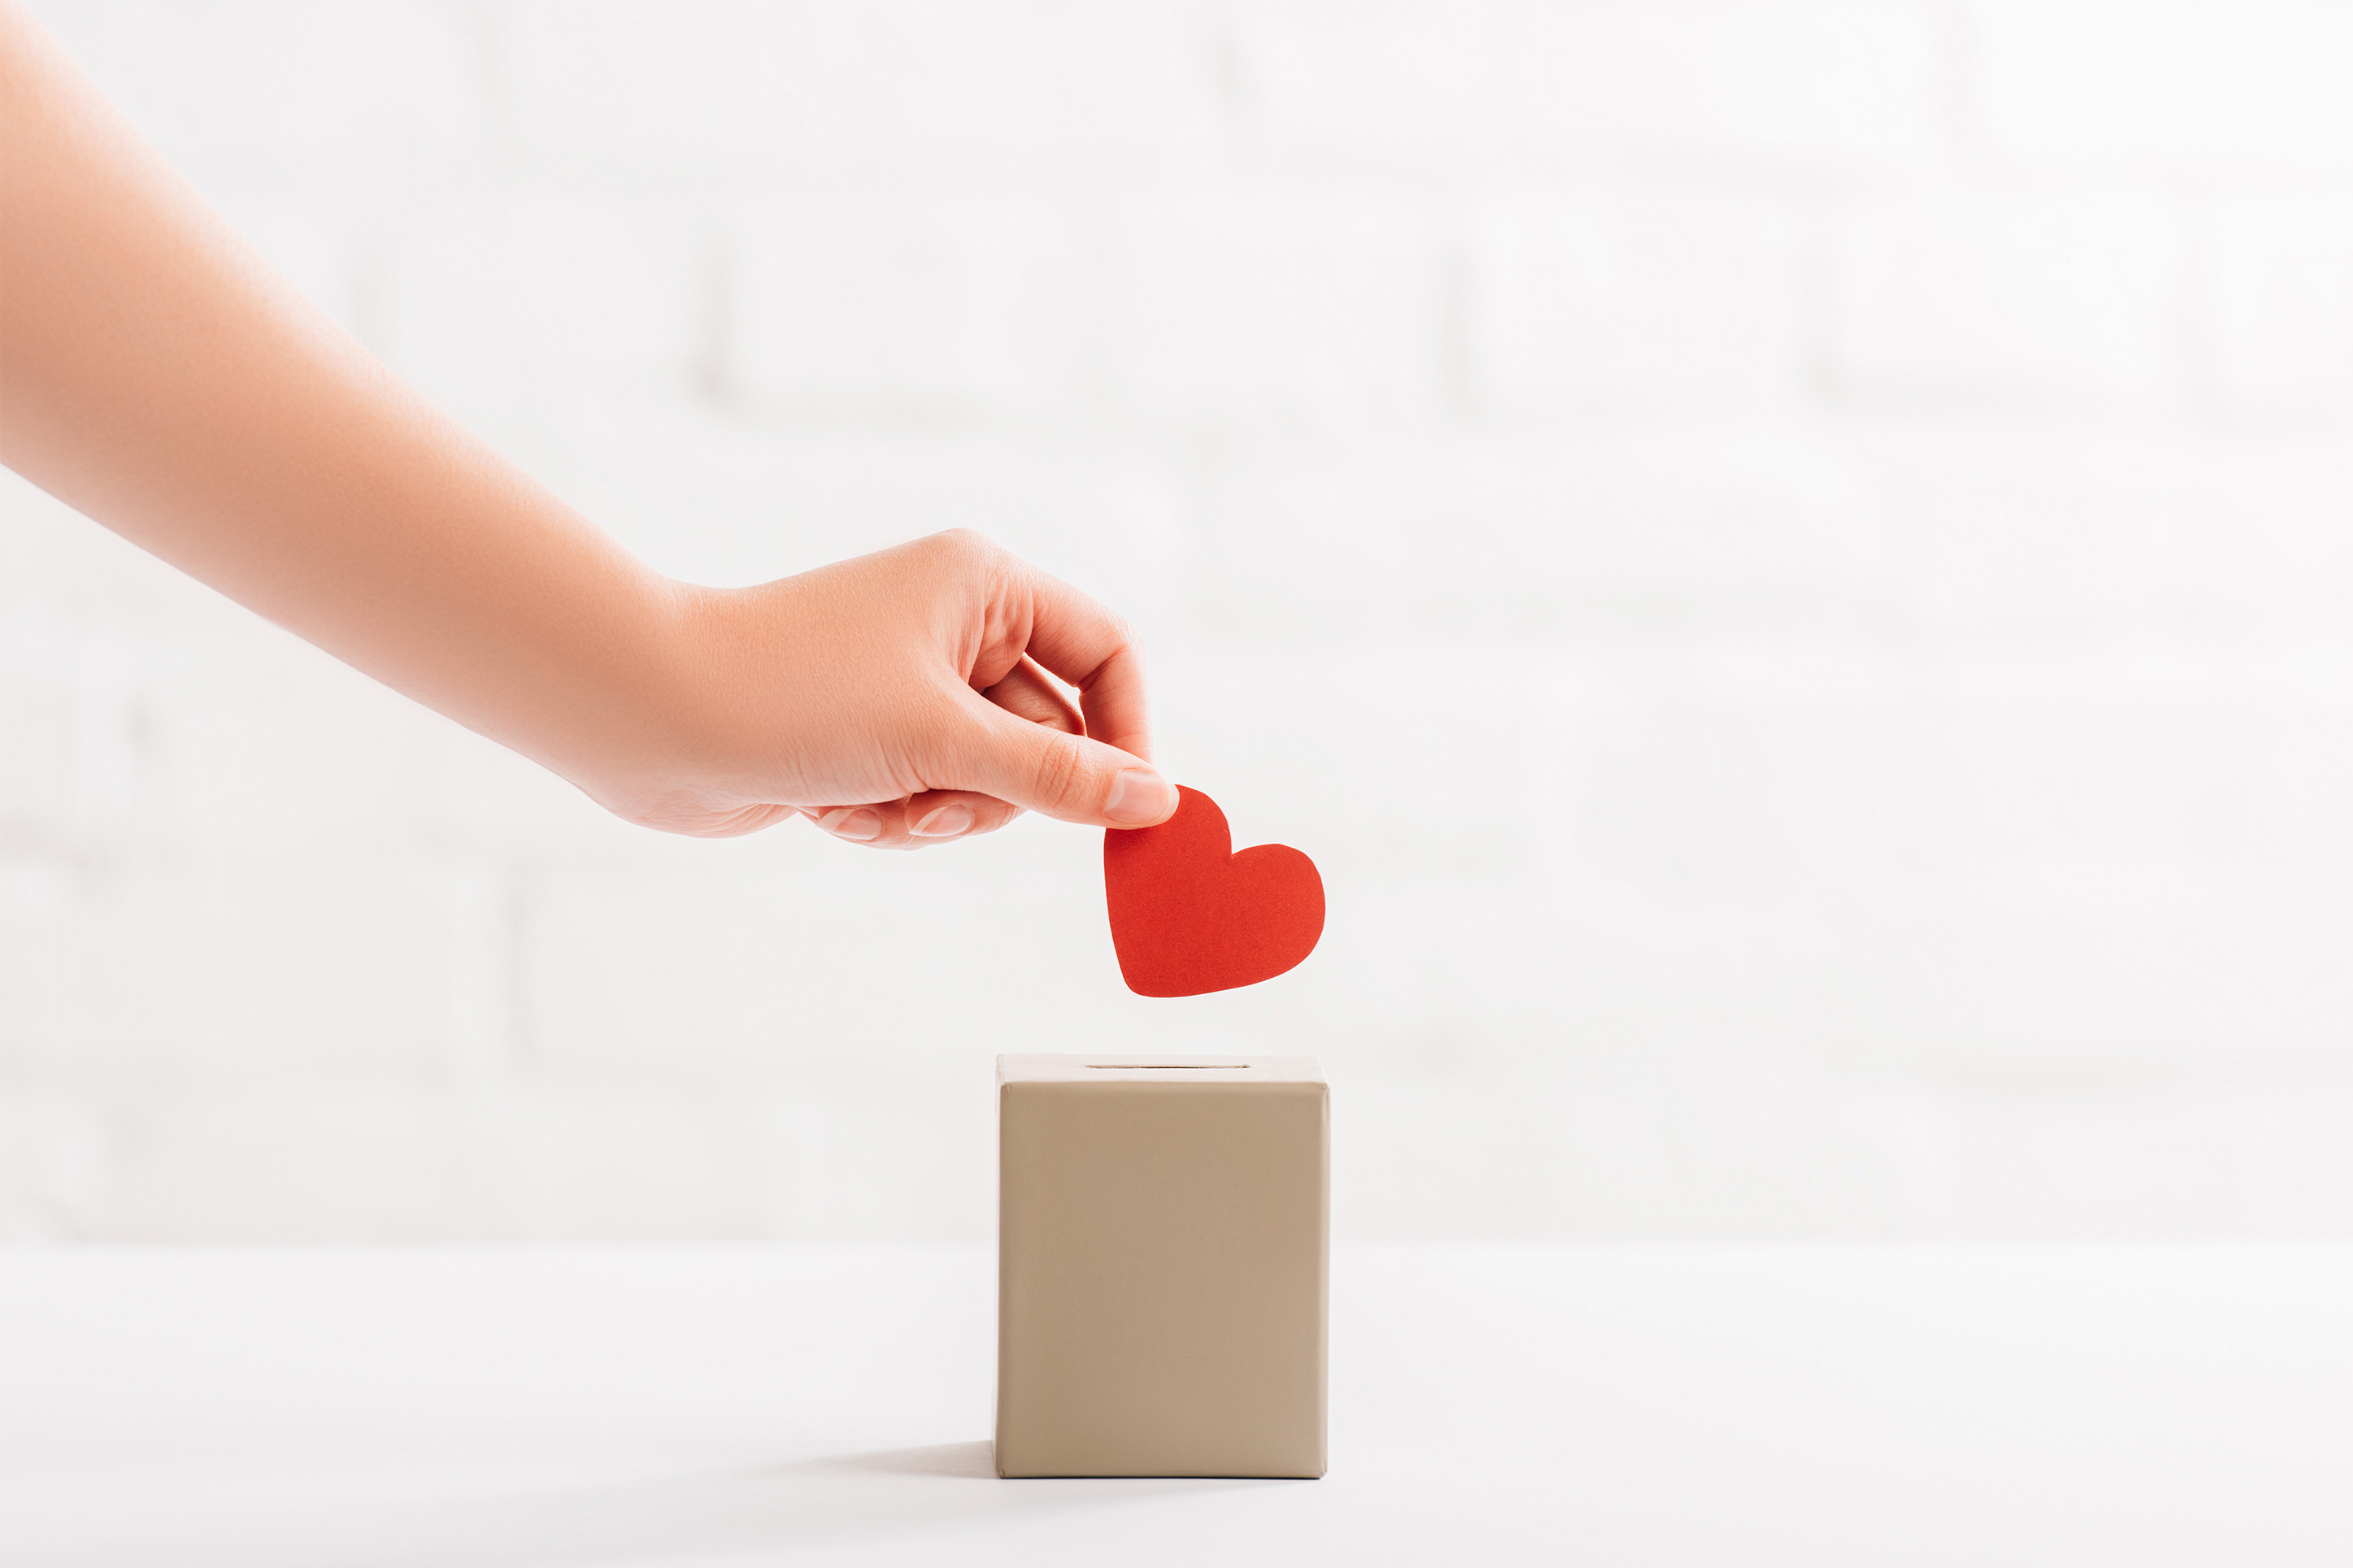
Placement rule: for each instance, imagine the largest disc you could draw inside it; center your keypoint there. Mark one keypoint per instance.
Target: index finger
(1089, 647)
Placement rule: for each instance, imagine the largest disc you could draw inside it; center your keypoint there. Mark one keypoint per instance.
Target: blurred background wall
(1792, 562)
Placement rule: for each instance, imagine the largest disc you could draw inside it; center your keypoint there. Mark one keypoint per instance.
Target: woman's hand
(898, 699)
(157, 376)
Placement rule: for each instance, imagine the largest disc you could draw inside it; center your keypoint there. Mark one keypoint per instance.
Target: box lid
(1164, 1068)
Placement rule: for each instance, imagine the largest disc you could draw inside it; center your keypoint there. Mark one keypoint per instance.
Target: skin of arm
(156, 376)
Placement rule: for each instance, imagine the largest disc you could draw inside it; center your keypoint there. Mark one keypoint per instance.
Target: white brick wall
(1788, 560)
(2280, 310)
(503, 307)
(898, 309)
(336, 100)
(1258, 310)
(2028, 298)
(1636, 303)
(2254, 89)
(1802, 88)
(931, 93)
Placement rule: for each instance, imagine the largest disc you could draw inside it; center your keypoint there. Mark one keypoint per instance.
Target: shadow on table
(837, 1498)
(974, 1461)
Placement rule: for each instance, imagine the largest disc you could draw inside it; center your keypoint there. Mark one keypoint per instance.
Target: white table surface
(1573, 1405)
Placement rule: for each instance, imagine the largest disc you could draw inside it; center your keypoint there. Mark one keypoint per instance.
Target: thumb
(1057, 774)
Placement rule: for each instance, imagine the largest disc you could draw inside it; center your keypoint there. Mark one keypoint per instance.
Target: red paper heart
(1188, 916)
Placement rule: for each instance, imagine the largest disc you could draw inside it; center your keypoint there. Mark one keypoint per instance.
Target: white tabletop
(1574, 1404)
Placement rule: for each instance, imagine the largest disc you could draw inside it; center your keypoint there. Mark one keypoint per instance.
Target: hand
(156, 376)
(899, 700)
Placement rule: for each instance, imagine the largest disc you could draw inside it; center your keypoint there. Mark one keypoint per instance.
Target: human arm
(156, 376)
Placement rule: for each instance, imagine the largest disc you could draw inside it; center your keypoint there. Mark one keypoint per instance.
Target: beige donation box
(1163, 1250)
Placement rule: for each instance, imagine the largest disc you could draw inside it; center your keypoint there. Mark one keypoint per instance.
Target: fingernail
(944, 822)
(852, 823)
(1139, 795)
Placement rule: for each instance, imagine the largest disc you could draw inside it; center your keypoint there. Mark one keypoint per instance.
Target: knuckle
(964, 546)
(1123, 643)
(1060, 771)
(1122, 635)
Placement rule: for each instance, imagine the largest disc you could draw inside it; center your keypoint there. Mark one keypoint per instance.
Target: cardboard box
(1163, 1258)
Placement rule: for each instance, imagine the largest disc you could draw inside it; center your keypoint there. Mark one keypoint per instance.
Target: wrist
(643, 729)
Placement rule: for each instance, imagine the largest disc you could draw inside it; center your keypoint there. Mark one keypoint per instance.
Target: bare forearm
(154, 375)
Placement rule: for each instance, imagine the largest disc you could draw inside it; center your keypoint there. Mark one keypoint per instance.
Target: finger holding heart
(940, 815)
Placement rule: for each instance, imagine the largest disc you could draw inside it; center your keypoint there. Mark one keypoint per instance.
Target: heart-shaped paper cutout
(1189, 916)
